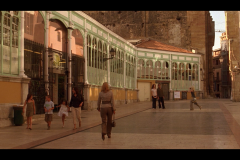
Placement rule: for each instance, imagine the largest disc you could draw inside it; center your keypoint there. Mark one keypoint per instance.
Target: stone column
(69, 52)
(24, 86)
(124, 70)
(108, 62)
(21, 69)
(85, 58)
(46, 54)
(170, 72)
(199, 74)
(136, 73)
(87, 105)
(171, 95)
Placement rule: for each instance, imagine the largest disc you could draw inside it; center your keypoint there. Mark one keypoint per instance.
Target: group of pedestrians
(157, 94)
(76, 103)
(105, 106)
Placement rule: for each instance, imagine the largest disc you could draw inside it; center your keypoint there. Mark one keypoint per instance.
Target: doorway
(165, 87)
(144, 91)
(61, 95)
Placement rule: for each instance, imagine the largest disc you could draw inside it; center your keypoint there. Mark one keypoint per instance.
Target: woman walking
(106, 110)
(154, 96)
(193, 100)
(76, 103)
(30, 110)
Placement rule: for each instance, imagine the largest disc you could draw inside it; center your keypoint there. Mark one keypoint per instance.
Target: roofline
(167, 52)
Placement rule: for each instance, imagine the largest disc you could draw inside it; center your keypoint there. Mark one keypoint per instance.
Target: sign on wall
(176, 94)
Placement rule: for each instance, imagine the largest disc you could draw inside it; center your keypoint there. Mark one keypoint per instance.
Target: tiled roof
(152, 44)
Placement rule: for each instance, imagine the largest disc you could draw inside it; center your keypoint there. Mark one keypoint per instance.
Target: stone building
(191, 30)
(217, 72)
(232, 19)
(221, 76)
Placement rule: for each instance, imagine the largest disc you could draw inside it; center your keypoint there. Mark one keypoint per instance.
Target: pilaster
(21, 69)
(85, 57)
(45, 66)
(69, 51)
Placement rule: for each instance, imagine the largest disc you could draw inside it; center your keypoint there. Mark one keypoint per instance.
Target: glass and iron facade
(92, 41)
(9, 43)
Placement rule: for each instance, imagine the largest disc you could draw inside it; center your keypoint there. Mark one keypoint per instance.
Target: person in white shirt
(154, 96)
(63, 112)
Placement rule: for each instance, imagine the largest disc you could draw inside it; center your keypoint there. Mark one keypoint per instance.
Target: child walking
(63, 112)
(48, 107)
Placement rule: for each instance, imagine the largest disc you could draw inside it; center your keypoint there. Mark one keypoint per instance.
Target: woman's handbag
(113, 121)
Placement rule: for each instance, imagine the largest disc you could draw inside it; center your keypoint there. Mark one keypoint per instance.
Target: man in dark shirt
(160, 96)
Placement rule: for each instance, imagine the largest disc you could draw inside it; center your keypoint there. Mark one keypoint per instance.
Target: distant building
(221, 76)
(233, 46)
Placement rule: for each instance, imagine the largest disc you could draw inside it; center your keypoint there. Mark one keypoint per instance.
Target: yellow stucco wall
(131, 94)
(10, 92)
(189, 96)
(94, 92)
(118, 94)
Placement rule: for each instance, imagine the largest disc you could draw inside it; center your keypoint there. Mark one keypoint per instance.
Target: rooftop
(152, 44)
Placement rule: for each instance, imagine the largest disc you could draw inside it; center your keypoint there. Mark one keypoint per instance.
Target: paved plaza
(216, 126)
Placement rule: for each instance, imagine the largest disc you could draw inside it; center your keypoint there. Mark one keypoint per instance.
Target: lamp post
(112, 53)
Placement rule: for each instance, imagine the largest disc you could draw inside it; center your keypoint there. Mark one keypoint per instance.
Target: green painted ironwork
(9, 52)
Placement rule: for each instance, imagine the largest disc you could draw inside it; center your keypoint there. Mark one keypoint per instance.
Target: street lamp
(112, 53)
(221, 59)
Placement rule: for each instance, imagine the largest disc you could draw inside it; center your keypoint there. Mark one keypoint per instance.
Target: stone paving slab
(20, 138)
(17, 137)
(211, 128)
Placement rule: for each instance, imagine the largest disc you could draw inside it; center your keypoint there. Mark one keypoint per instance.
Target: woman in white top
(154, 96)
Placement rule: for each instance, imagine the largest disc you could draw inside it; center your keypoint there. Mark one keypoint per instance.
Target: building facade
(232, 20)
(184, 29)
(49, 52)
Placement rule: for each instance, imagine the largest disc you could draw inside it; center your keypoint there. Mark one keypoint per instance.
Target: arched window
(94, 52)
(89, 57)
(174, 71)
(181, 71)
(188, 72)
(9, 26)
(151, 70)
(157, 70)
(77, 47)
(140, 68)
(105, 56)
(100, 65)
(193, 72)
(122, 62)
(196, 72)
(112, 61)
(149, 65)
(166, 70)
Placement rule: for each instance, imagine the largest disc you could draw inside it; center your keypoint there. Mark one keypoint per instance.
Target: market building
(49, 52)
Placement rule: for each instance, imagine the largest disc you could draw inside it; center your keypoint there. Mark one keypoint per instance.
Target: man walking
(160, 96)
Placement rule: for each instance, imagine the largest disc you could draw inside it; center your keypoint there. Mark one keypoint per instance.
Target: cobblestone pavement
(216, 126)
